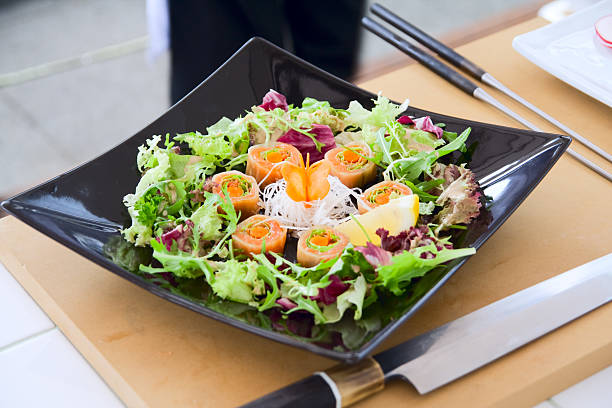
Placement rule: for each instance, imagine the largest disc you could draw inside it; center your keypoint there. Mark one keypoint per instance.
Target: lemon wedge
(397, 215)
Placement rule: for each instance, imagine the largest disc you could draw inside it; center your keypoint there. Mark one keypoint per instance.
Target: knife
(448, 352)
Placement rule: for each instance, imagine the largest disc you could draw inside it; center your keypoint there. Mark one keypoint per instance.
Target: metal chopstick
(475, 71)
(462, 83)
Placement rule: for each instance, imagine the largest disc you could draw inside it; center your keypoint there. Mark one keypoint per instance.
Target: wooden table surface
(154, 353)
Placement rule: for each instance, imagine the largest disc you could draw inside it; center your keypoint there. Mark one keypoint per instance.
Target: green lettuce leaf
(409, 265)
(225, 144)
(147, 207)
(311, 307)
(418, 189)
(352, 264)
(268, 275)
(426, 138)
(145, 159)
(383, 112)
(238, 281)
(189, 168)
(411, 167)
(158, 201)
(235, 130)
(154, 175)
(155, 162)
(206, 146)
(353, 296)
(181, 264)
(207, 223)
(138, 233)
(312, 105)
(426, 208)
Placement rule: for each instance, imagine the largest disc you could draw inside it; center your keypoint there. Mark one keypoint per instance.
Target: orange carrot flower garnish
(306, 183)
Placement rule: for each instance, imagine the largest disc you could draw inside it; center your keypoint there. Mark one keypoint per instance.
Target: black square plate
(83, 208)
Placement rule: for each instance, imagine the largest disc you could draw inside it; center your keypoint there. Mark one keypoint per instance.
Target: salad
(310, 216)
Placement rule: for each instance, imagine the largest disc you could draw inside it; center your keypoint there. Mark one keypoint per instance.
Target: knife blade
(450, 351)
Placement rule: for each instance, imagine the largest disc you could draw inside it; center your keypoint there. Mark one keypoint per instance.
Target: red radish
(603, 28)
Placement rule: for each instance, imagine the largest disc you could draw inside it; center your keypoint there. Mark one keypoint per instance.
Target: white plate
(569, 50)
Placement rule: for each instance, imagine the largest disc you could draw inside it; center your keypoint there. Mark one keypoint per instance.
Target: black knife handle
(421, 56)
(340, 386)
(428, 41)
(310, 392)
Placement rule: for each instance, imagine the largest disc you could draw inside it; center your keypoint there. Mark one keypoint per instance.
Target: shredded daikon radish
(333, 209)
(270, 172)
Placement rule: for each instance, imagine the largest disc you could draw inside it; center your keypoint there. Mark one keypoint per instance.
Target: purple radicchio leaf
(306, 145)
(286, 304)
(405, 120)
(275, 318)
(335, 340)
(460, 196)
(300, 323)
(393, 243)
(328, 294)
(375, 255)
(197, 195)
(180, 234)
(427, 125)
(410, 239)
(167, 276)
(273, 100)
(282, 267)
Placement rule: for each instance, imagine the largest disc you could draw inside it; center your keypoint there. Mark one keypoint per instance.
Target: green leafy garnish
(179, 263)
(409, 265)
(147, 207)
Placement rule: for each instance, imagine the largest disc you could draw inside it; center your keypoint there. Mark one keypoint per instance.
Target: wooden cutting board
(154, 353)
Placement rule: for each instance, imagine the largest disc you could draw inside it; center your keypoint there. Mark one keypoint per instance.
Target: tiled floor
(46, 370)
(40, 367)
(49, 125)
(64, 28)
(72, 117)
(20, 316)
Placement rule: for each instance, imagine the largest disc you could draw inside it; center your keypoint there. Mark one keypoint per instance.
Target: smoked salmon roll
(320, 244)
(263, 161)
(242, 191)
(252, 233)
(351, 166)
(380, 194)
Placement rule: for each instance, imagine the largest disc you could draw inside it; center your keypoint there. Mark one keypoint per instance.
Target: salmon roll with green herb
(258, 232)
(320, 244)
(264, 161)
(351, 165)
(381, 193)
(241, 189)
